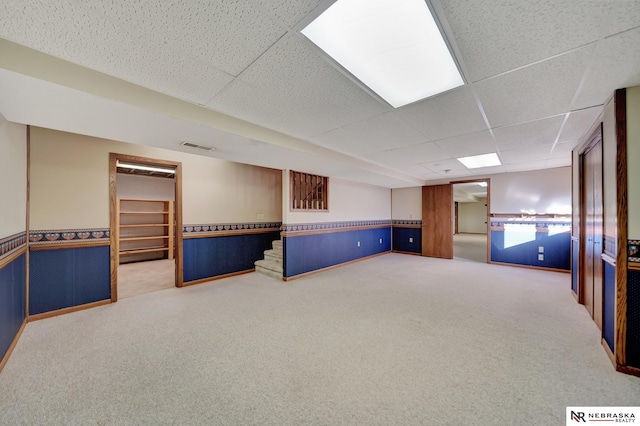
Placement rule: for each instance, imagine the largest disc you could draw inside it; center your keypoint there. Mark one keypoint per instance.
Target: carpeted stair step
(277, 244)
(269, 268)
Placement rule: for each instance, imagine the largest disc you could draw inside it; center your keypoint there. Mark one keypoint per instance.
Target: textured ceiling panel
(563, 150)
(480, 171)
(538, 91)
(525, 154)
(529, 165)
(616, 64)
(495, 36)
(290, 12)
(379, 133)
(557, 162)
(86, 39)
(624, 16)
(470, 144)
(411, 155)
(229, 35)
(316, 97)
(440, 116)
(533, 133)
(578, 123)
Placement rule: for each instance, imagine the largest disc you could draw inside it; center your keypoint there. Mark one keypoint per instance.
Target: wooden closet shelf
(144, 212)
(148, 237)
(144, 250)
(143, 225)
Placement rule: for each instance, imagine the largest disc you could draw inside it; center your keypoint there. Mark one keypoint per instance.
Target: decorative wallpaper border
(302, 227)
(633, 250)
(499, 223)
(12, 242)
(227, 227)
(62, 236)
(397, 222)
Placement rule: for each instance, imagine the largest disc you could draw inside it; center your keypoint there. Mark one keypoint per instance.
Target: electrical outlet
(540, 249)
(358, 243)
(541, 257)
(410, 239)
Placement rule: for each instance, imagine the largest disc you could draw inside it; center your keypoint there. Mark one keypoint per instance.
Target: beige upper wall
(70, 183)
(406, 203)
(633, 161)
(347, 201)
(472, 217)
(13, 178)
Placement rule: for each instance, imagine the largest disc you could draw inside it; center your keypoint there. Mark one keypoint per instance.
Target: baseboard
(628, 370)
(6, 356)
(609, 353)
(406, 252)
(217, 277)
(64, 311)
(306, 274)
(539, 268)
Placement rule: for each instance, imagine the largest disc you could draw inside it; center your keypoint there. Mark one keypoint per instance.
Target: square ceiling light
(477, 161)
(394, 47)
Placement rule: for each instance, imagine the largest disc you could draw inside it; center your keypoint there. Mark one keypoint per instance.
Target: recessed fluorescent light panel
(476, 161)
(392, 46)
(146, 168)
(483, 184)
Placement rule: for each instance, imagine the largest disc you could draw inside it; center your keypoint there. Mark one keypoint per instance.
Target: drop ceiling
(238, 75)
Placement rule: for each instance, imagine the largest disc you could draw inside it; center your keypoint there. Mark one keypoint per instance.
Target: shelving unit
(145, 229)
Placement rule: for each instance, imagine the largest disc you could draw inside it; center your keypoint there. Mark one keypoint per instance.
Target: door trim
(113, 254)
(488, 181)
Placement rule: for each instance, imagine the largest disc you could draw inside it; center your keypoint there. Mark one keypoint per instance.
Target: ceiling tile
(523, 155)
(527, 165)
(624, 16)
(533, 133)
(311, 95)
(578, 123)
(615, 64)
(557, 162)
(488, 170)
(450, 114)
(563, 150)
(409, 155)
(496, 36)
(470, 144)
(381, 133)
(441, 167)
(541, 90)
(290, 12)
(229, 35)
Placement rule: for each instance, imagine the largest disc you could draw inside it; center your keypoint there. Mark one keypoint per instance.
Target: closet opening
(146, 225)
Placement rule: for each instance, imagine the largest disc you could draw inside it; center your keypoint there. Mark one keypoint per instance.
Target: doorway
(145, 224)
(471, 236)
(592, 227)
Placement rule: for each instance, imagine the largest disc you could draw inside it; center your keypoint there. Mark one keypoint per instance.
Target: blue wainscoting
(401, 237)
(308, 253)
(209, 257)
(609, 304)
(67, 277)
(12, 301)
(557, 250)
(633, 318)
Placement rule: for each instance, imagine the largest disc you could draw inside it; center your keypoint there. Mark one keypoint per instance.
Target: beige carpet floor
(470, 247)
(394, 340)
(145, 277)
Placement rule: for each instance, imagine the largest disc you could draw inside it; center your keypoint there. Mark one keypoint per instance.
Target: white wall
(537, 191)
(472, 217)
(145, 187)
(70, 183)
(406, 203)
(633, 161)
(347, 201)
(13, 178)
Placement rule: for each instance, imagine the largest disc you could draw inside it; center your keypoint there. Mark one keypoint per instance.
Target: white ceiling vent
(194, 145)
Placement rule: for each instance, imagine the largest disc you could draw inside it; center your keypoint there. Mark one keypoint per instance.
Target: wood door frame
(113, 158)
(593, 140)
(488, 181)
